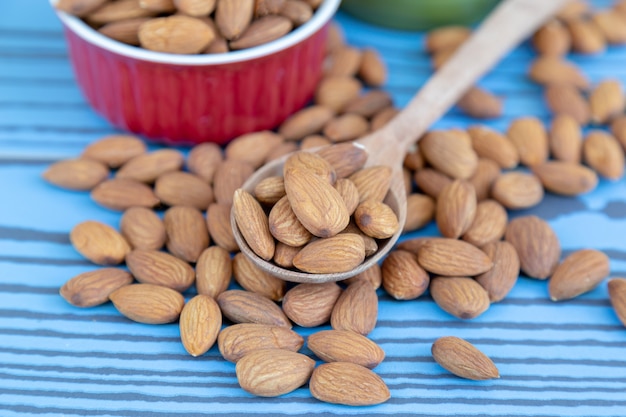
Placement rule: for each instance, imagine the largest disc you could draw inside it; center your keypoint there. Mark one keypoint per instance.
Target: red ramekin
(189, 99)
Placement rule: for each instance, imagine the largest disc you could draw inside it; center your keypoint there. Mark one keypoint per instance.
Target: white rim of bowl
(322, 15)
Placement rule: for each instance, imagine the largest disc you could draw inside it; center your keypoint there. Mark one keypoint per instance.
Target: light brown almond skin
(612, 24)
(253, 147)
(451, 257)
(339, 253)
(500, 279)
(376, 219)
(254, 279)
(270, 190)
(552, 38)
(480, 104)
(200, 323)
(76, 174)
(489, 224)
(187, 235)
(229, 176)
(567, 99)
(463, 359)
(336, 92)
(118, 10)
(248, 307)
(345, 346)
(607, 100)
(298, 11)
(370, 244)
(203, 160)
(373, 70)
(566, 178)
(160, 268)
(488, 143)
(372, 183)
(218, 224)
(530, 138)
(343, 61)
(79, 8)
(147, 167)
(349, 193)
(383, 117)
(284, 254)
(273, 372)
(265, 7)
(446, 37)
(345, 158)
(285, 226)
(125, 31)
(573, 10)
(370, 103)
(565, 139)
(232, 17)
(195, 7)
(314, 141)
(461, 297)
(213, 271)
(449, 153)
(586, 36)
(348, 384)
(148, 303)
(537, 245)
(346, 127)
(580, 272)
(551, 69)
(402, 277)
(93, 288)
(456, 208)
(310, 305)
(603, 153)
(98, 242)
(313, 163)
(517, 190)
(143, 228)
(180, 188)
(372, 275)
(356, 309)
(237, 340)
(487, 171)
(120, 194)
(618, 129)
(305, 122)
(261, 31)
(617, 295)
(420, 211)
(253, 224)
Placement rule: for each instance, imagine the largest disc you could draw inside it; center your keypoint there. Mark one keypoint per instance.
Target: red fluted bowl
(189, 99)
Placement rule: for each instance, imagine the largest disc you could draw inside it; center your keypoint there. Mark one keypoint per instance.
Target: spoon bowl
(510, 23)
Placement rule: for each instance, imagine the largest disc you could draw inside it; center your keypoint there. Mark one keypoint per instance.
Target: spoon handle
(509, 24)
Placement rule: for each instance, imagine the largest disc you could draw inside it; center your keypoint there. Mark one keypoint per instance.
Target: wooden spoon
(510, 23)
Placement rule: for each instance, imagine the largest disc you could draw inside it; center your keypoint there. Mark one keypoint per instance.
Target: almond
(195, 7)
(462, 297)
(273, 372)
(121, 194)
(420, 211)
(579, 273)
(176, 34)
(187, 235)
(489, 224)
(343, 61)
(449, 153)
(617, 295)
(161, 6)
(148, 303)
(349, 193)
(347, 383)
(517, 190)
(463, 359)
(339, 253)
(298, 11)
(446, 37)
(200, 322)
(567, 99)
(98, 242)
(125, 31)
(376, 219)
(566, 178)
(565, 139)
(402, 277)
(118, 10)
(312, 162)
(372, 70)
(414, 245)
(372, 275)
(487, 171)
(456, 208)
(554, 70)
(253, 224)
(237, 340)
(253, 148)
(336, 92)
(345, 346)
(248, 307)
(371, 246)
(346, 127)
(499, 281)
(606, 100)
(575, 9)
(184, 189)
(76, 174)
(284, 254)
(307, 121)
(147, 167)
(536, 244)
(552, 38)
(232, 17)
(160, 268)
(285, 226)
(310, 305)
(204, 159)
(372, 183)
(262, 30)
(356, 309)
(530, 138)
(586, 37)
(143, 228)
(314, 141)
(603, 153)
(253, 279)
(383, 117)
(370, 103)
(229, 176)
(269, 190)
(618, 129)
(213, 271)
(488, 143)
(451, 257)
(265, 7)
(345, 158)
(220, 230)
(93, 288)
(612, 25)
(79, 8)
(480, 104)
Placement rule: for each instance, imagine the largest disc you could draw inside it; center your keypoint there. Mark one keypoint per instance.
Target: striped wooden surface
(564, 359)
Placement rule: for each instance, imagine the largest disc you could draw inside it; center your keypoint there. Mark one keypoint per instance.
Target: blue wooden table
(555, 359)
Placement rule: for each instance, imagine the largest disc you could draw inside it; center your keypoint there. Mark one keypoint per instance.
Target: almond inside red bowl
(185, 99)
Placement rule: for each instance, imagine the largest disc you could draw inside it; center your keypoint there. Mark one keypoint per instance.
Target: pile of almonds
(192, 26)
(174, 233)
